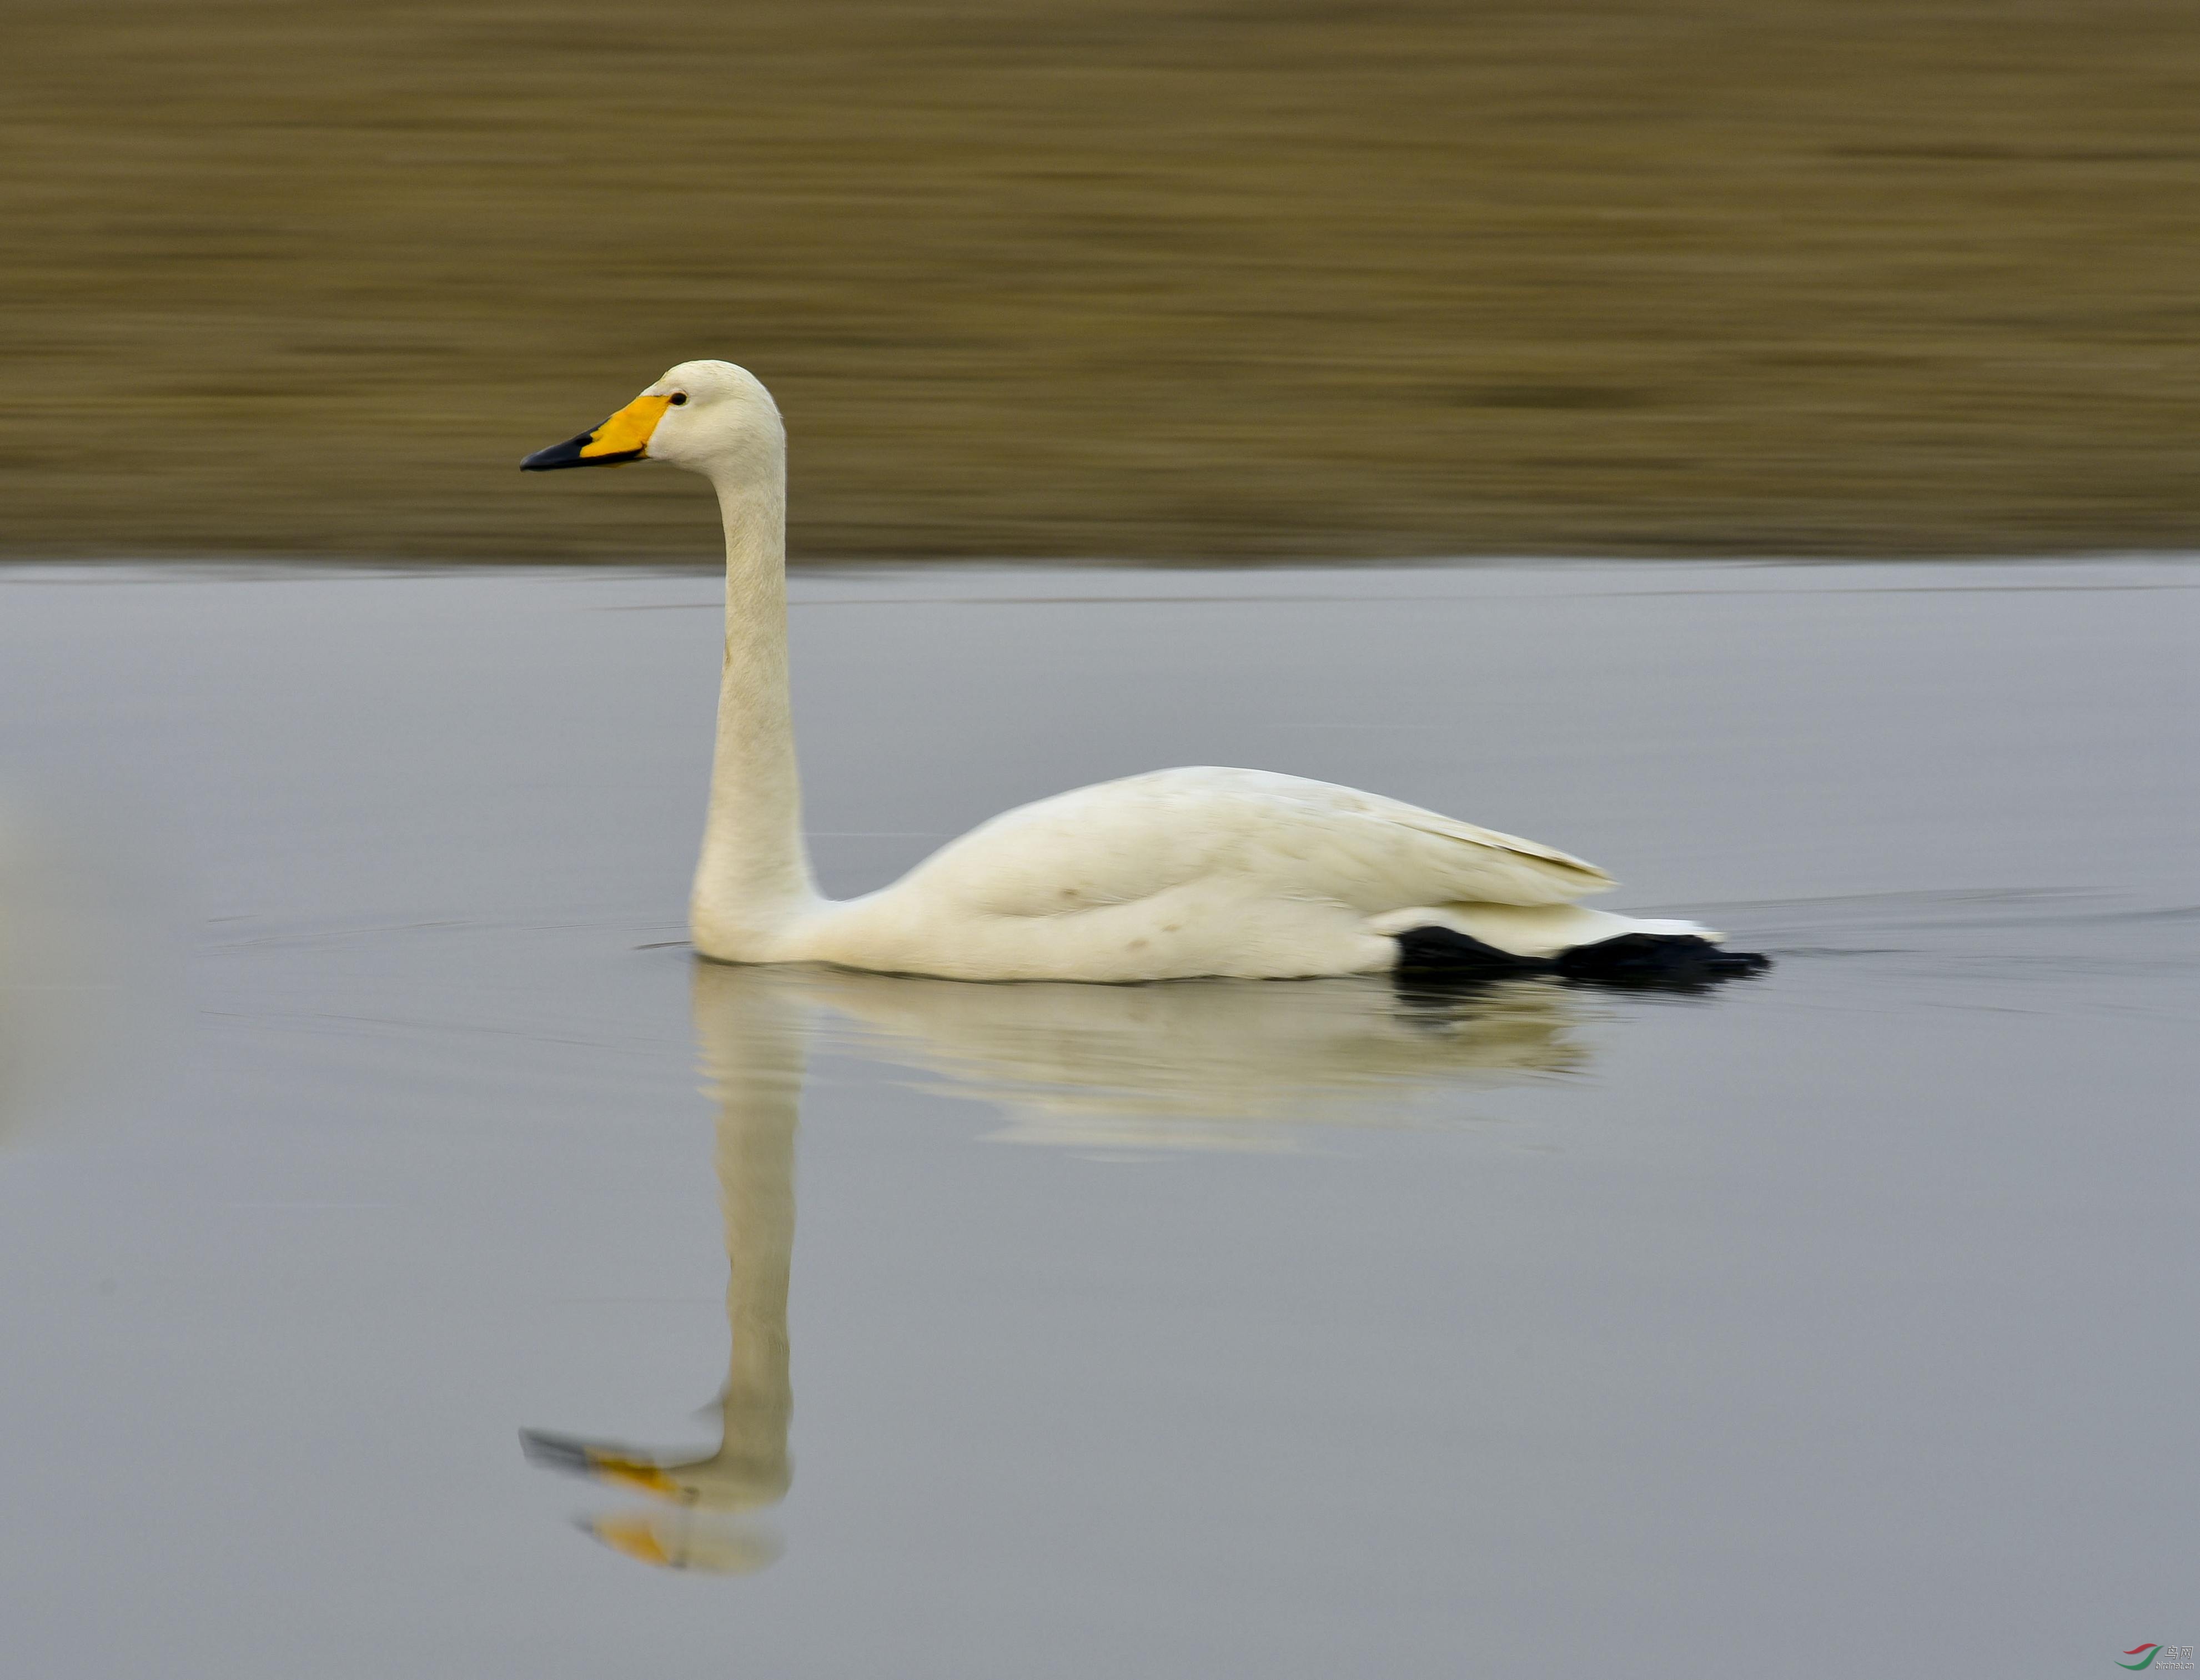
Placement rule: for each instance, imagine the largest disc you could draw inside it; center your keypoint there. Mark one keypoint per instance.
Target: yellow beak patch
(626, 434)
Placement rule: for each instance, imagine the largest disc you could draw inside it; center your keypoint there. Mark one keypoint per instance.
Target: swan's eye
(679, 397)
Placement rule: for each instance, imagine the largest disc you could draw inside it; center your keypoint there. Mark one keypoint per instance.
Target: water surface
(381, 1296)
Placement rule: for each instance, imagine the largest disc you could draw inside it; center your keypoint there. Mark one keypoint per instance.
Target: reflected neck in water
(1194, 1063)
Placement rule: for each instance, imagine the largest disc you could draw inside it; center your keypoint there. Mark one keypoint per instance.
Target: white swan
(1173, 875)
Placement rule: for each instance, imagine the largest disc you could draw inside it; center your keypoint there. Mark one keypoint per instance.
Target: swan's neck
(754, 877)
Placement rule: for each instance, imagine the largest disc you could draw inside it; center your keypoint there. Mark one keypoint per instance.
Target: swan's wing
(1242, 831)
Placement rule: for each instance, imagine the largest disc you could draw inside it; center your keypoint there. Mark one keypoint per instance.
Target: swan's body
(1173, 874)
(1182, 873)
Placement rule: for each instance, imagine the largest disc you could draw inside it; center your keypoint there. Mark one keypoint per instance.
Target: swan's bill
(623, 437)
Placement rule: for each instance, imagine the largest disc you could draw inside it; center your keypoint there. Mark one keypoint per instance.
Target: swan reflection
(1198, 1063)
(1193, 1064)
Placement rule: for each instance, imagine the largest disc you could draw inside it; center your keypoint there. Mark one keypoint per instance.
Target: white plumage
(1205, 871)
(1171, 875)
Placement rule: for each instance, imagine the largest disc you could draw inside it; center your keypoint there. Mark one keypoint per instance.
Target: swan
(1177, 873)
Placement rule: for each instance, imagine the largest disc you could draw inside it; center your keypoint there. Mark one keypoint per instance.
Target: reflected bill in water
(1197, 1063)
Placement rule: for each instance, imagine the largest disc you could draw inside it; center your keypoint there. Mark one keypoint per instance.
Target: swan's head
(710, 416)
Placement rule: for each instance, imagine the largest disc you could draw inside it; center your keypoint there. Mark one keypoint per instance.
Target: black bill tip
(567, 453)
(556, 1452)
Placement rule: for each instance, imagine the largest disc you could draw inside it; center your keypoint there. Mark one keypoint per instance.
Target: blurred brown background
(1108, 277)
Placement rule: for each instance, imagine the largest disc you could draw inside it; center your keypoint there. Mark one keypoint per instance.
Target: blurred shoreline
(1109, 280)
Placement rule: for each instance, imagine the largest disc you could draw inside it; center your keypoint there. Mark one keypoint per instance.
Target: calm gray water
(1838, 1323)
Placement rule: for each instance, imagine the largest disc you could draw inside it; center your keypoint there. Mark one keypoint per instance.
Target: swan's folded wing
(1490, 867)
(1377, 854)
(1249, 833)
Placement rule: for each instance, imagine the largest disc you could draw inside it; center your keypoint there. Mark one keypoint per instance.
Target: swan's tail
(1474, 942)
(1535, 930)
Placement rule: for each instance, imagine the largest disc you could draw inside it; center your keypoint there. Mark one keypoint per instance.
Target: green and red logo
(2151, 1655)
